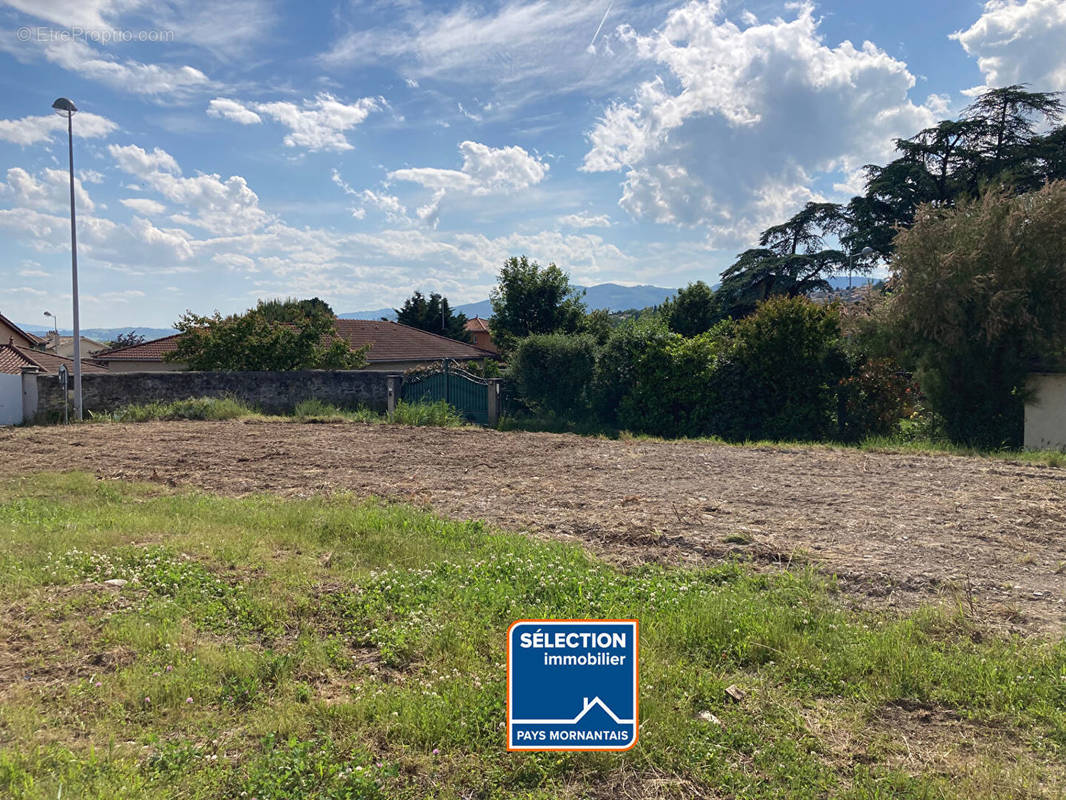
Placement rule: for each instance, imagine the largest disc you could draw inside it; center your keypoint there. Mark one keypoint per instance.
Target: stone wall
(271, 392)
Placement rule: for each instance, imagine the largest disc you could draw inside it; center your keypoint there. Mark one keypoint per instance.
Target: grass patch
(344, 648)
(197, 408)
(439, 414)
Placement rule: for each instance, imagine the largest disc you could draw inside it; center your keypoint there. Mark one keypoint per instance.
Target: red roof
(389, 341)
(478, 325)
(13, 358)
(146, 351)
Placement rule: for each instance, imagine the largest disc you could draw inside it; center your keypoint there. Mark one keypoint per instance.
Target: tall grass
(438, 414)
(195, 408)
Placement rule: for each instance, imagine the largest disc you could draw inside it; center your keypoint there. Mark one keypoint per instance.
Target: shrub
(778, 379)
(674, 391)
(553, 372)
(982, 300)
(873, 399)
(616, 365)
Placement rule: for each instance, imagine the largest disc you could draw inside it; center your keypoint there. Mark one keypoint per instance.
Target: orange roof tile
(13, 358)
(477, 325)
(389, 341)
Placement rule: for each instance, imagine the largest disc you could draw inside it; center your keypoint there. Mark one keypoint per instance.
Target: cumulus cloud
(223, 207)
(747, 119)
(49, 192)
(225, 108)
(31, 130)
(316, 124)
(585, 220)
(485, 170)
(1019, 43)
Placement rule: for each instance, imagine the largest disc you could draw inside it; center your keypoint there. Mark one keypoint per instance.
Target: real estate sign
(572, 684)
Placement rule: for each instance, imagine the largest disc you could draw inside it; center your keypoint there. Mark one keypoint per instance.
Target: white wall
(1045, 413)
(10, 399)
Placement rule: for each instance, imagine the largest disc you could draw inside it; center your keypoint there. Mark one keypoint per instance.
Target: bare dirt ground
(897, 530)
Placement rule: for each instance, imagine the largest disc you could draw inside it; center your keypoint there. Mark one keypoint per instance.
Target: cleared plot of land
(900, 529)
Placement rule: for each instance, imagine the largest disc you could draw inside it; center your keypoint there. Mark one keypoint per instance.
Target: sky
(360, 150)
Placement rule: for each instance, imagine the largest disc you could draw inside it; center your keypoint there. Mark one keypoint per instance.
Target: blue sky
(360, 150)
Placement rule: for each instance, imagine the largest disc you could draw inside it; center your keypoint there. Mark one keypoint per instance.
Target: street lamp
(64, 107)
(55, 322)
(866, 251)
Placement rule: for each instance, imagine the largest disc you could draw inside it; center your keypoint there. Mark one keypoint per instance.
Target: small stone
(707, 716)
(735, 692)
(118, 583)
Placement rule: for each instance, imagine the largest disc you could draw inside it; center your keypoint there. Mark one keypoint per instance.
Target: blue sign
(572, 684)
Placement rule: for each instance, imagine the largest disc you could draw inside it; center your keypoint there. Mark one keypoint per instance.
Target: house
(64, 345)
(1045, 411)
(479, 330)
(392, 347)
(10, 332)
(13, 357)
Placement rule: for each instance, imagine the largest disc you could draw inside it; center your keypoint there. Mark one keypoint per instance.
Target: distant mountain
(101, 334)
(605, 295)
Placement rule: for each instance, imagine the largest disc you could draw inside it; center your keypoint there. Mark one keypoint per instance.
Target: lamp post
(55, 324)
(866, 251)
(63, 106)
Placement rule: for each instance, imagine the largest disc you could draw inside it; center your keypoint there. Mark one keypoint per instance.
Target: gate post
(493, 404)
(393, 382)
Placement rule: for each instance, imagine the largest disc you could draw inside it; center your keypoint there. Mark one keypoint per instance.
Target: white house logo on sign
(572, 684)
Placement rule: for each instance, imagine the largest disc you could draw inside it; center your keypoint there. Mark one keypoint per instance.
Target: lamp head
(48, 313)
(64, 106)
(867, 251)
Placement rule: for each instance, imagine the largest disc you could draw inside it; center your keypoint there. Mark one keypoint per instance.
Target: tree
(791, 261)
(530, 299)
(128, 339)
(276, 335)
(1007, 129)
(433, 315)
(692, 310)
(981, 302)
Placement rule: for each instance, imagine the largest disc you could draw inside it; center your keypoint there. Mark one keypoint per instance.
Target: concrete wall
(1045, 413)
(272, 392)
(10, 399)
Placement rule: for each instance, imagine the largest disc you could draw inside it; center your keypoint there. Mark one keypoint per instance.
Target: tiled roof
(389, 341)
(13, 358)
(477, 325)
(146, 351)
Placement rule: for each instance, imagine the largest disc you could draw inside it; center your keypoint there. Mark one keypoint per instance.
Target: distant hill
(611, 296)
(101, 334)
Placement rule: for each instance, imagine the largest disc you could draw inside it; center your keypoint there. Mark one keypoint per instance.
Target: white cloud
(49, 192)
(129, 76)
(1019, 43)
(143, 205)
(521, 48)
(31, 130)
(225, 108)
(223, 207)
(318, 124)
(95, 14)
(757, 114)
(485, 170)
(585, 220)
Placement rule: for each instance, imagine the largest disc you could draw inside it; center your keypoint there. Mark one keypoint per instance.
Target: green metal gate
(465, 392)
